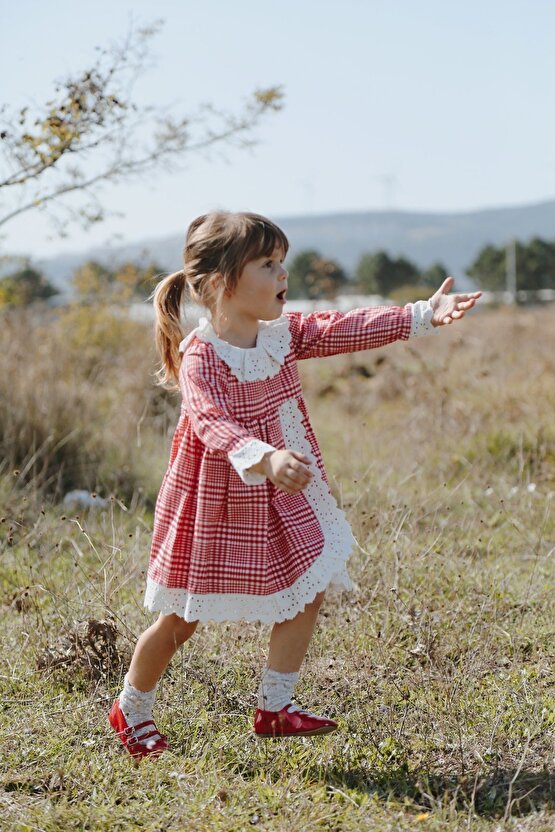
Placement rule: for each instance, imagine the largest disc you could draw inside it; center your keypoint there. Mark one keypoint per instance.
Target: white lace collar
(273, 343)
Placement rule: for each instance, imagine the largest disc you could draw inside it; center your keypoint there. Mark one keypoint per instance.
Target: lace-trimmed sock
(276, 689)
(137, 706)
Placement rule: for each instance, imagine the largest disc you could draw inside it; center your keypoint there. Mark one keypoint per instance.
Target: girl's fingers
(299, 473)
(468, 305)
(296, 480)
(468, 297)
(460, 304)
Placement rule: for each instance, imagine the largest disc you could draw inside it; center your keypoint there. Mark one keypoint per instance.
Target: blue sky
(407, 104)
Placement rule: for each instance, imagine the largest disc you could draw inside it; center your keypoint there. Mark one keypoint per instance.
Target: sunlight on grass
(438, 667)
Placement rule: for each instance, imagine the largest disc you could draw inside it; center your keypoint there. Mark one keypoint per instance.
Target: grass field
(438, 667)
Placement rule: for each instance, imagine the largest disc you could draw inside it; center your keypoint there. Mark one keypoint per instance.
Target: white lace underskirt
(236, 607)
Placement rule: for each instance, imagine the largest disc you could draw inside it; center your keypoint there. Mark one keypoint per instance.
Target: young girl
(245, 525)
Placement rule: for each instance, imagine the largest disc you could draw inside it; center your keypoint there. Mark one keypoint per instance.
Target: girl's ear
(217, 283)
(219, 280)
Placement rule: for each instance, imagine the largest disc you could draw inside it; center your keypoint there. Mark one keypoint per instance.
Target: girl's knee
(176, 627)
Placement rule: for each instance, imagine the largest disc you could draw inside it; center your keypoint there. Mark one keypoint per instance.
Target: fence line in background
(144, 311)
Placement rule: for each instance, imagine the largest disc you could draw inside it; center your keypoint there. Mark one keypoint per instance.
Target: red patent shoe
(291, 721)
(137, 746)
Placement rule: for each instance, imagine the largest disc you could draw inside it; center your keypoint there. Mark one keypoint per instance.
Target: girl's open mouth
(281, 296)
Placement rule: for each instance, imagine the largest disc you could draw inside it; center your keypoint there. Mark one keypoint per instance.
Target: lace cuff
(249, 455)
(421, 323)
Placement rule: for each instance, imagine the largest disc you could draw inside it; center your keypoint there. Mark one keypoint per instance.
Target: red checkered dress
(227, 543)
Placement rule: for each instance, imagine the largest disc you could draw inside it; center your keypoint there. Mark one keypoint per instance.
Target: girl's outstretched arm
(330, 332)
(448, 308)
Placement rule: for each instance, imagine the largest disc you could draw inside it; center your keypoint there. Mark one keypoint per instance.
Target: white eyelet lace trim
(422, 312)
(265, 360)
(232, 606)
(328, 570)
(338, 536)
(249, 455)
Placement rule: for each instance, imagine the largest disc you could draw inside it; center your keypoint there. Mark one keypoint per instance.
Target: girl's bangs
(264, 238)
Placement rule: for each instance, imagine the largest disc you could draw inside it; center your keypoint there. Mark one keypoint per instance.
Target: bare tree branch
(95, 113)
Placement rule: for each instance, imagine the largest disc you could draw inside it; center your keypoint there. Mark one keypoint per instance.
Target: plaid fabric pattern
(214, 533)
(331, 332)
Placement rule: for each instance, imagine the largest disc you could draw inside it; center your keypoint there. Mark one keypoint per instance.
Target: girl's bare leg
(289, 639)
(155, 648)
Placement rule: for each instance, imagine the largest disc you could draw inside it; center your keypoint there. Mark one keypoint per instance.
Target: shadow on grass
(487, 792)
(490, 794)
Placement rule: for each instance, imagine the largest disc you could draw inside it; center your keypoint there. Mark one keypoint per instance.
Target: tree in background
(298, 269)
(433, 276)
(94, 123)
(367, 270)
(313, 276)
(91, 282)
(489, 269)
(24, 286)
(95, 284)
(139, 281)
(378, 273)
(535, 266)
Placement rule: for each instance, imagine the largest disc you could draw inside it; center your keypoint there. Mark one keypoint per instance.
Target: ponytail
(168, 332)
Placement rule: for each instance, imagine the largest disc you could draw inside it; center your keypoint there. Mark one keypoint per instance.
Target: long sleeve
(331, 332)
(211, 421)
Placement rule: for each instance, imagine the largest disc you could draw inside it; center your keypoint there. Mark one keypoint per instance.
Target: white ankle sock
(276, 689)
(137, 706)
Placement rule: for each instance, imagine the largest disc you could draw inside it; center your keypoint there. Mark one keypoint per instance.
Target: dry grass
(439, 666)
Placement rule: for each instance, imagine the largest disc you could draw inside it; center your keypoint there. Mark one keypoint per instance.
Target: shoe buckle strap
(135, 740)
(132, 728)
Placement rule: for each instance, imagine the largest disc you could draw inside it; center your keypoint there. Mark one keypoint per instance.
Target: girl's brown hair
(217, 248)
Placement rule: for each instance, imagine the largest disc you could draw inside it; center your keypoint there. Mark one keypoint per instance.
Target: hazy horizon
(283, 217)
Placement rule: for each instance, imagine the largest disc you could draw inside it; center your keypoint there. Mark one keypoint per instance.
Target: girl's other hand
(288, 470)
(448, 308)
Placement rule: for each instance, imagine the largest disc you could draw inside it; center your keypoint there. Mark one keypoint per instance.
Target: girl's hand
(288, 470)
(448, 308)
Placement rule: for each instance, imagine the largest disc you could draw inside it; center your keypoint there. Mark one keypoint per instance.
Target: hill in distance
(423, 237)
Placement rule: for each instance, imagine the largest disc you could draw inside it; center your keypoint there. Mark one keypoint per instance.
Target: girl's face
(256, 292)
